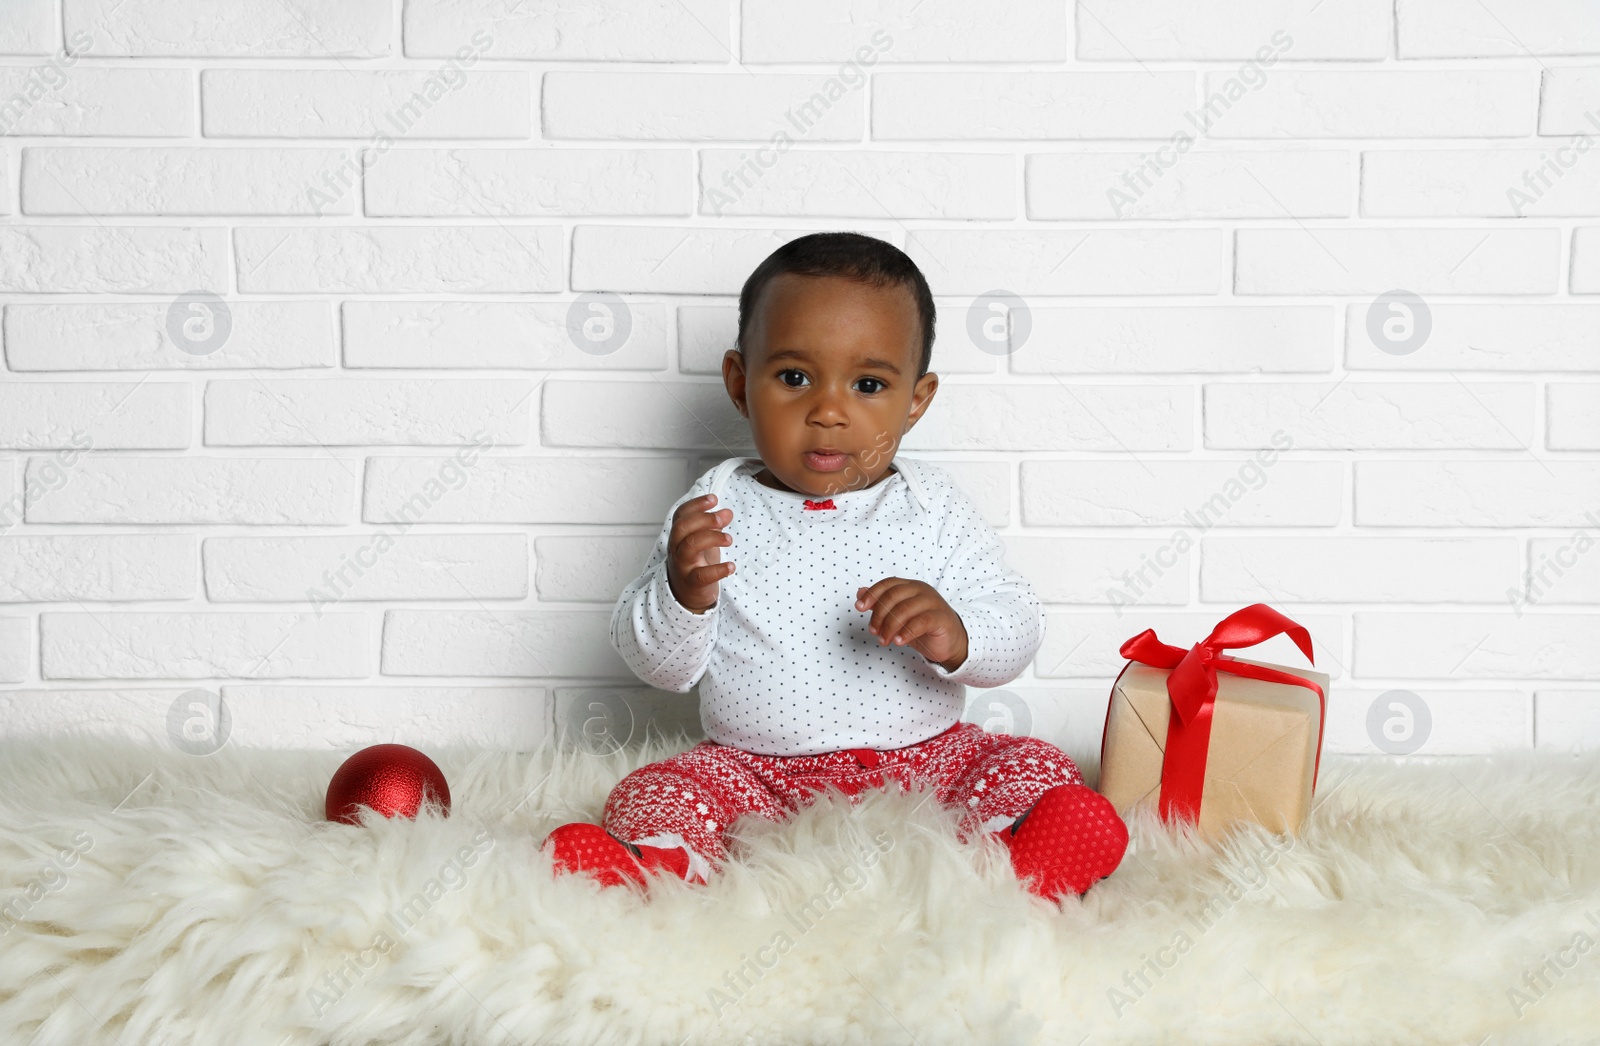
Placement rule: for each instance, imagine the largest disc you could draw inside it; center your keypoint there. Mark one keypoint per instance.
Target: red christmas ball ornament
(392, 779)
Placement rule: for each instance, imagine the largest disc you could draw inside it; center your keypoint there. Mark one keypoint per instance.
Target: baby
(862, 594)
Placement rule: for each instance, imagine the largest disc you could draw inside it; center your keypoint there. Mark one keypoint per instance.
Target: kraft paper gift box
(1215, 739)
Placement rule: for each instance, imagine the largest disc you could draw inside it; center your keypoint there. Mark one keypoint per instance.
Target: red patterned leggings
(692, 798)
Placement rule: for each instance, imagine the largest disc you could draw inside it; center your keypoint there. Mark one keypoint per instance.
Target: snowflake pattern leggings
(692, 798)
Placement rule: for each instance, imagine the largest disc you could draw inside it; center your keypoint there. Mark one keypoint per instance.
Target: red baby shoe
(1070, 840)
(583, 847)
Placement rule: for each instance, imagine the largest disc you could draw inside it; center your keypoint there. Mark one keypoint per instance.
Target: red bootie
(1070, 840)
(582, 847)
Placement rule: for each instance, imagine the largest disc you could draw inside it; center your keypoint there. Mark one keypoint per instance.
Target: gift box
(1214, 739)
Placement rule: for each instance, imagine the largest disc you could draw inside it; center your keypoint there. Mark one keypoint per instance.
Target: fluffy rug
(153, 897)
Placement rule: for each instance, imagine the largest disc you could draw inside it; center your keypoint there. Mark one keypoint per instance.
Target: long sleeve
(1003, 615)
(664, 643)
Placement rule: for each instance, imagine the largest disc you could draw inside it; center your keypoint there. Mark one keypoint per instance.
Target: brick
(589, 569)
(598, 30)
(234, 28)
(99, 259)
(1586, 261)
(1145, 339)
(267, 335)
(691, 414)
(1569, 96)
(1032, 105)
(1365, 415)
(1126, 418)
(1521, 492)
(589, 491)
(45, 415)
(1359, 569)
(347, 718)
(500, 643)
(1460, 722)
(1193, 494)
(1441, 29)
(706, 332)
(122, 712)
(504, 334)
(98, 568)
(720, 106)
(1071, 718)
(1084, 645)
(29, 28)
(1559, 570)
(74, 99)
(1479, 183)
(662, 259)
(1387, 103)
(1573, 416)
(200, 490)
(1375, 261)
(840, 31)
(1246, 29)
(1107, 571)
(1566, 719)
(597, 719)
(986, 483)
(16, 650)
(1500, 337)
(280, 412)
(179, 181)
(1091, 261)
(538, 182)
(1167, 183)
(10, 509)
(399, 259)
(308, 717)
(1422, 645)
(386, 564)
(178, 645)
(366, 104)
(854, 184)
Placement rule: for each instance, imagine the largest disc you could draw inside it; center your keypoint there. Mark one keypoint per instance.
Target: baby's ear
(733, 379)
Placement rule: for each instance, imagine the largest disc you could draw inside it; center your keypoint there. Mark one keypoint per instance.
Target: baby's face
(829, 380)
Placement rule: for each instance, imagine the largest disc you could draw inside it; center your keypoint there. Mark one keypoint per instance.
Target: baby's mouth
(825, 460)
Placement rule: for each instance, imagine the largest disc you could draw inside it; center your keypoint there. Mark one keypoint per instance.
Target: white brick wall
(120, 567)
(29, 27)
(290, 410)
(233, 28)
(266, 335)
(317, 103)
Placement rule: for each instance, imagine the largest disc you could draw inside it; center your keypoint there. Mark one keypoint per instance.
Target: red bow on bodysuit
(819, 504)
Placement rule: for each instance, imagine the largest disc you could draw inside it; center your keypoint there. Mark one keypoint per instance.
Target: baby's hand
(694, 563)
(913, 612)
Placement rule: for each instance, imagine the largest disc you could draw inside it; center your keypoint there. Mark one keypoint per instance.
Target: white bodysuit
(784, 660)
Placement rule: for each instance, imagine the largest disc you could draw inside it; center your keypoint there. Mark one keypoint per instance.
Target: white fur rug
(153, 897)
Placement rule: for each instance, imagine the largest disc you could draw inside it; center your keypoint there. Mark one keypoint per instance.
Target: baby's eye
(783, 376)
(875, 385)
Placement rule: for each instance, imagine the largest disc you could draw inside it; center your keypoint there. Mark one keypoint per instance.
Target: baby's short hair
(852, 256)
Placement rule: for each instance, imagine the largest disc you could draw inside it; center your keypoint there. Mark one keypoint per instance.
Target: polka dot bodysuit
(784, 661)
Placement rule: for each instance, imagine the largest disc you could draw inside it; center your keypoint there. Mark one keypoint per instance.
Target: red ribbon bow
(1192, 688)
(819, 504)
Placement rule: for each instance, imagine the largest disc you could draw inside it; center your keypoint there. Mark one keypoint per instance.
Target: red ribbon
(1192, 688)
(819, 504)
